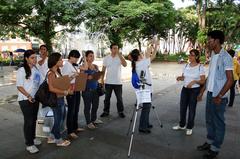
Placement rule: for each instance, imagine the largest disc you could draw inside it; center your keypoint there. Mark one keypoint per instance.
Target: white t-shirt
(27, 84)
(113, 68)
(211, 74)
(192, 73)
(69, 69)
(43, 69)
(144, 65)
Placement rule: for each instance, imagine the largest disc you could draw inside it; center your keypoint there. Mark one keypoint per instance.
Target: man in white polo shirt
(112, 65)
(42, 61)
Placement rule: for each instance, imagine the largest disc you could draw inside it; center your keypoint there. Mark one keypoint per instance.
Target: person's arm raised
(152, 50)
(122, 59)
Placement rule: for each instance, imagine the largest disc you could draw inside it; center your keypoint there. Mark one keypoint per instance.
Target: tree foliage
(187, 25)
(129, 20)
(39, 18)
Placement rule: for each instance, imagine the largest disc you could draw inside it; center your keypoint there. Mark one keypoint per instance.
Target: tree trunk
(47, 39)
(139, 45)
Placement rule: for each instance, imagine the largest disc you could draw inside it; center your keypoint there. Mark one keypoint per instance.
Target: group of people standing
(219, 81)
(36, 69)
(224, 71)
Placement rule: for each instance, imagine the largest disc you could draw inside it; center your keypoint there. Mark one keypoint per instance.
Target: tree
(129, 20)
(224, 15)
(187, 26)
(39, 18)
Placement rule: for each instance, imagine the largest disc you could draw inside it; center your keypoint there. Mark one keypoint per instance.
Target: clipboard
(80, 82)
(96, 76)
(62, 83)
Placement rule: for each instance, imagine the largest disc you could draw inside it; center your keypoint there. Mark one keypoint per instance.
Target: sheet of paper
(143, 96)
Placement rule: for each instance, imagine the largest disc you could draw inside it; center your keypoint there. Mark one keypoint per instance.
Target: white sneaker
(37, 142)
(32, 149)
(98, 121)
(189, 132)
(178, 127)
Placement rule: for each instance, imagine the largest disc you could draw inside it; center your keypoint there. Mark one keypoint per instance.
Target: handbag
(44, 96)
(100, 89)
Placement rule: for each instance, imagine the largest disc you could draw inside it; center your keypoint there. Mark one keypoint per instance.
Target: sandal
(51, 140)
(73, 136)
(91, 126)
(80, 130)
(64, 143)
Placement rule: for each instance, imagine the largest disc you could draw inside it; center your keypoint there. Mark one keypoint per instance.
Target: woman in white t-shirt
(73, 100)
(28, 81)
(193, 76)
(141, 65)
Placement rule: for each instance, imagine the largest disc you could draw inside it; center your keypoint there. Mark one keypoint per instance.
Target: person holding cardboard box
(73, 100)
(54, 63)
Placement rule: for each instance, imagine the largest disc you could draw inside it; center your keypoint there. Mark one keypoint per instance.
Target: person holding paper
(26, 76)
(54, 63)
(90, 95)
(141, 65)
(73, 100)
(112, 65)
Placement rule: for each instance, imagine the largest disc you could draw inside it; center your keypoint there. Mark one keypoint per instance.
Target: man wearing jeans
(112, 64)
(220, 79)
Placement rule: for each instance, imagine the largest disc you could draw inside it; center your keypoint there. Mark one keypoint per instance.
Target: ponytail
(134, 57)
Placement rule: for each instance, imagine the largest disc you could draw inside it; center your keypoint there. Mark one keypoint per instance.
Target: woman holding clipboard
(90, 95)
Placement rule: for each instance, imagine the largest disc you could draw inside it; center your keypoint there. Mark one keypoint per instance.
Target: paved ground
(109, 141)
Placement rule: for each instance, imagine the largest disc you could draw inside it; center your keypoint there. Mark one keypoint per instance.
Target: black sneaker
(210, 155)
(150, 126)
(104, 114)
(146, 131)
(204, 147)
(121, 115)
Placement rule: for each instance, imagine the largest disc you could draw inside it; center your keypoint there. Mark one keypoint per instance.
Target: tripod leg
(133, 129)
(131, 120)
(155, 112)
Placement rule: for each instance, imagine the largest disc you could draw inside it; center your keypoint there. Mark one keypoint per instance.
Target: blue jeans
(188, 101)
(215, 122)
(73, 102)
(58, 113)
(91, 102)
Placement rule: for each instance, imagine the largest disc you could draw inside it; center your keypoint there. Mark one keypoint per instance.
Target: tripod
(134, 115)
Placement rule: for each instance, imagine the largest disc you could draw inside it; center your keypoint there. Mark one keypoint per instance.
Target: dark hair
(74, 53)
(43, 46)
(88, 52)
(231, 52)
(217, 34)
(113, 44)
(134, 57)
(197, 55)
(26, 67)
(53, 60)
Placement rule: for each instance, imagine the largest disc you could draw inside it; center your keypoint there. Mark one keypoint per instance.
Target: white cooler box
(44, 123)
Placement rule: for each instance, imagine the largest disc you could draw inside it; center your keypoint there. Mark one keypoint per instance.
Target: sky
(179, 3)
